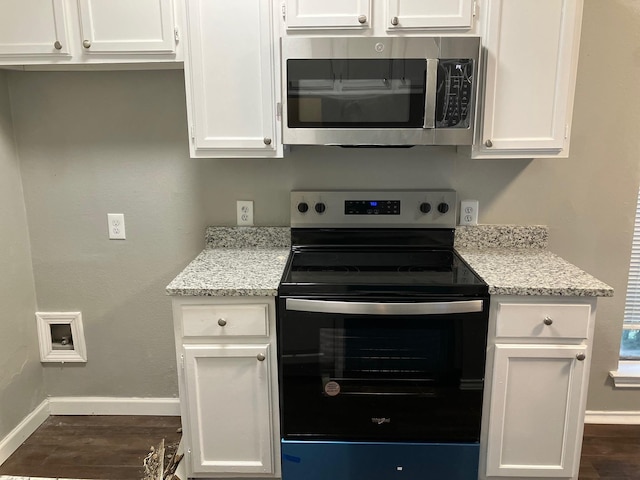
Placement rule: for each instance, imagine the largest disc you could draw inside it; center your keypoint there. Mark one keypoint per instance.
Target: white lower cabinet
(537, 370)
(228, 386)
(228, 391)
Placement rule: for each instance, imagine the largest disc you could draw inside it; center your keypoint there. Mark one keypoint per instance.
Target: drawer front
(542, 320)
(225, 320)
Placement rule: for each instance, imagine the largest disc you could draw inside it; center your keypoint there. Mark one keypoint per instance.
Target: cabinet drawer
(542, 320)
(225, 320)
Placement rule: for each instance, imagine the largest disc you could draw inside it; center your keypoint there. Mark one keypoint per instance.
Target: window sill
(627, 375)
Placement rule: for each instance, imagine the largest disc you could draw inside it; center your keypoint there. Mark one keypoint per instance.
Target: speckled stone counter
(513, 260)
(238, 261)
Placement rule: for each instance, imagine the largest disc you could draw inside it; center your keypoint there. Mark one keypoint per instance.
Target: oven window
(358, 92)
(392, 378)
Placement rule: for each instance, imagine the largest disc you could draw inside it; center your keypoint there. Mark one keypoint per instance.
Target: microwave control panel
(453, 98)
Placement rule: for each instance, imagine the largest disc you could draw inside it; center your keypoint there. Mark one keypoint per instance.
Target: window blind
(632, 303)
(630, 344)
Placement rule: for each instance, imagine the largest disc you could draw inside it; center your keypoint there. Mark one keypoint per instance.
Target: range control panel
(374, 209)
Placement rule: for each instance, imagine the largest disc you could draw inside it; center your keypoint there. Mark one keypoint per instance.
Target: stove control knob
(303, 207)
(425, 207)
(443, 207)
(320, 207)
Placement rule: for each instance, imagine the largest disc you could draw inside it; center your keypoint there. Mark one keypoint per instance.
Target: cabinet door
(429, 14)
(536, 418)
(33, 27)
(230, 79)
(531, 63)
(328, 13)
(125, 26)
(229, 408)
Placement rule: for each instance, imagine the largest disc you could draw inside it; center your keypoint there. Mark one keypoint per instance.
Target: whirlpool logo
(380, 420)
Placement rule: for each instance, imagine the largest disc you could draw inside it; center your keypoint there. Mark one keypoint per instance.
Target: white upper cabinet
(33, 27)
(59, 32)
(327, 13)
(531, 55)
(421, 14)
(126, 26)
(230, 77)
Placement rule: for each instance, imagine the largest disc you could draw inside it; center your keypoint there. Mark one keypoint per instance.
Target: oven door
(381, 371)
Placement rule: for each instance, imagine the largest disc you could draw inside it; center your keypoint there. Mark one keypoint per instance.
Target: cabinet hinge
(475, 9)
(176, 34)
(566, 131)
(193, 133)
(283, 8)
(182, 361)
(278, 111)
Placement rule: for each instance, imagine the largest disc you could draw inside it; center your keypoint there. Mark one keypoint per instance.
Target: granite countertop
(512, 260)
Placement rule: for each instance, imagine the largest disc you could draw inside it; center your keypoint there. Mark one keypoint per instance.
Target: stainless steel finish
(86, 44)
(580, 357)
(410, 215)
(222, 322)
(261, 357)
(380, 308)
(489, 143)
(429, 47)
(362, 19)
(267, 141)
(394, 21)
(57, 45)
(431, 81)
(548, 321)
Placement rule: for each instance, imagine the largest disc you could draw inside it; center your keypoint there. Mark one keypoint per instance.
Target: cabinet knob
(394, 21)
(548, 320)
(362, 19)
(489, 143)
(580, 357)
(57, 45)
(261, 357)
(86, 44)
(222, 322)
(267, 141)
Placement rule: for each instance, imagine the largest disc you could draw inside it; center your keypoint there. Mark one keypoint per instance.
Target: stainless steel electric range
(381, 340)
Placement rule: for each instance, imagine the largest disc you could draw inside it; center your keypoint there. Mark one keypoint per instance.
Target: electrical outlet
(116, 226)
(469, 212)
(244, 212)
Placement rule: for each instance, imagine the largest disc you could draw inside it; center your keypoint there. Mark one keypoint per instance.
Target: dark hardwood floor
(610, 452)
(91, 447)
(113, 447)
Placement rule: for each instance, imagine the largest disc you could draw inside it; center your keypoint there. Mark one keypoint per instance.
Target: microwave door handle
(381, 308)
(431, 87)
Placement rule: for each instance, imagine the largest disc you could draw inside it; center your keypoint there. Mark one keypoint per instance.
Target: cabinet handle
(362, 19)
(86, 44)
(489, 143)
(394, 21)
(57, 45)
(580, 357)
(222, 322)
(267, 141)
(548, 321)
(261, 357)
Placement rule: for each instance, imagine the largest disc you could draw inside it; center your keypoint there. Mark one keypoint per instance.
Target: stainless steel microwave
(379, 91)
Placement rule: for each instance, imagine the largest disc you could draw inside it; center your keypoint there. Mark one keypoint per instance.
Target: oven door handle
(384, 308)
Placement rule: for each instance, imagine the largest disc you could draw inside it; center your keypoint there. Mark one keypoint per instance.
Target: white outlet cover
(244, 213)
(469, 212)
(115, 222)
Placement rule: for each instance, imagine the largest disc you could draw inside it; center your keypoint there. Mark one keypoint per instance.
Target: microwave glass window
(343, 93)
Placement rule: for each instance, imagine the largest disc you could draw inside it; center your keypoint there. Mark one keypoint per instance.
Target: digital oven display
(372, 207)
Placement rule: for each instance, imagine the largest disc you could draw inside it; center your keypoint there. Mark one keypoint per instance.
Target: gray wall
(21, 385)
(97, 142)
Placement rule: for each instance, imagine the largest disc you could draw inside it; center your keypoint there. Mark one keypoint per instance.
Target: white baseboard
(613, 418)
(23, 430)
(113, 406)
(84, 406)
